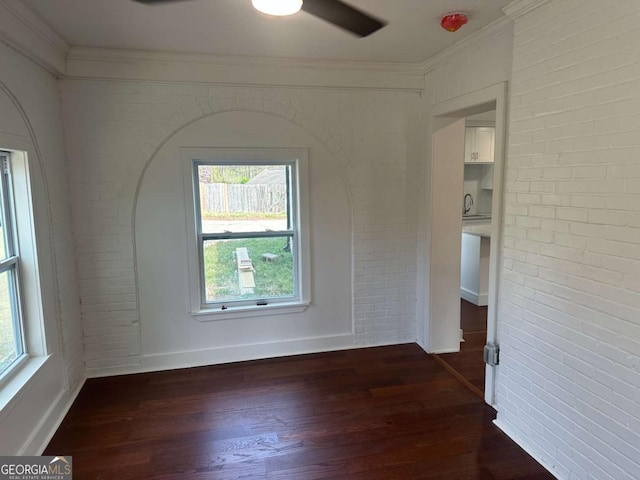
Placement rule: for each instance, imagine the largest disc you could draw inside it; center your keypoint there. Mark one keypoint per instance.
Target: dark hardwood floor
(468, 363)
(386, 413)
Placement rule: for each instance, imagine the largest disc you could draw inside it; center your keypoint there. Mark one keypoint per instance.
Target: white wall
(446, 216)
(474, 269)
(31, 122)
(481, 62)
(169, 333)
(473, 175)
(568, 384)
(114, 128)
(569, 380)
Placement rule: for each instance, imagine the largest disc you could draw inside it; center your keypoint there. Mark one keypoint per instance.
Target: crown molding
(123, 64)
(519, 8)
(115, 54)
(24, 31)
(480, 36)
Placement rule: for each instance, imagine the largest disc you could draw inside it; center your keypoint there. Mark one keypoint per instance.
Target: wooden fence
(247, 198)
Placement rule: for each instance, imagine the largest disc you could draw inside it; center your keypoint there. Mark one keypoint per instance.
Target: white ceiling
(233, 27)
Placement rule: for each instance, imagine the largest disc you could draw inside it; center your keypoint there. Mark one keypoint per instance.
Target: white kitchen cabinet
(479, 144)
(474, 264)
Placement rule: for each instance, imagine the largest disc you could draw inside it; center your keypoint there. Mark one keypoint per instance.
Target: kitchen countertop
(479, 230)
(476, 218)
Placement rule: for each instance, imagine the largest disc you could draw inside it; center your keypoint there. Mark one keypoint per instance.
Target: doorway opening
(479, 155)
(465, 184)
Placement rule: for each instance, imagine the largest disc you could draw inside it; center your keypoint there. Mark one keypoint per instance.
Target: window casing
(12, 333)
(250, 234)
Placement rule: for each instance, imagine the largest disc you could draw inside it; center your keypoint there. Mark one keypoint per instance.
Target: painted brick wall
(34, 92)
(481, 63)
(569, 382)
(113, 129)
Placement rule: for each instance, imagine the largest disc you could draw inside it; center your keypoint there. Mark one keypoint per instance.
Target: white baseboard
(47, 428)
(445, 350)
(437, 352)
(522, 442)
(235, 353)
(481, 300)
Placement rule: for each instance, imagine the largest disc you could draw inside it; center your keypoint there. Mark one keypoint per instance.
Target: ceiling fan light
(277, 7)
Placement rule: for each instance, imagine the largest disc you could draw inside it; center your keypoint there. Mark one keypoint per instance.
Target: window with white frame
(252, 250)
(12, 339)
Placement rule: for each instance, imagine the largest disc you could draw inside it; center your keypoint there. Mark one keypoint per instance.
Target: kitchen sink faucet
(467, 205)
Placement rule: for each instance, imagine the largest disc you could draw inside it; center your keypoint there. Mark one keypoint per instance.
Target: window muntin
(248, 230)
(11, 325)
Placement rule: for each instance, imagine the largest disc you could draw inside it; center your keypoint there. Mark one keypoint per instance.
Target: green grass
(272, 279)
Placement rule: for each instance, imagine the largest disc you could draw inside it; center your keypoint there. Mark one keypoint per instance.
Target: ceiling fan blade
(343, 16)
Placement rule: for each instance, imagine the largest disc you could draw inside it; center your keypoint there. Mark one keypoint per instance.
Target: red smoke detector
(453, 21)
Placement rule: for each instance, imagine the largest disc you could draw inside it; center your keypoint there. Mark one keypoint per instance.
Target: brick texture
(31, 119)
(35, 94)
(113, 130)
(569, 382)
(484, 63)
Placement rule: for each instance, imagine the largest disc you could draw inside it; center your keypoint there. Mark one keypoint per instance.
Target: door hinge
(491, 354)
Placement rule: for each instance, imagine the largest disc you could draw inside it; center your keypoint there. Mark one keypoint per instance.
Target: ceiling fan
(335, 12)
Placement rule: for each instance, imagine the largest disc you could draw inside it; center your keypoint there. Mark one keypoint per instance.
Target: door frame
(443, 233)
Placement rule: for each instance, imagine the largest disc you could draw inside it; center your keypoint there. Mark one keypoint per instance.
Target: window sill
(15, 382)
(246, 311)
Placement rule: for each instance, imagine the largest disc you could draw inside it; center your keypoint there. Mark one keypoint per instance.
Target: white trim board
(480, 300)
(522, 443)
(444, 350)
(50, 423)
(25, 32)
(117, 64)
(519, 8)
(483, 35)
(229, 354)
(440, 316)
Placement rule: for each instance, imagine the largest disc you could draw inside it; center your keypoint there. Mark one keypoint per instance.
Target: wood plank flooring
(386, 413)
(468, 363)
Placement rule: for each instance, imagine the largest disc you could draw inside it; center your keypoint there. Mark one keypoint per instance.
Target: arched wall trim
(43, 171)
(128, 198)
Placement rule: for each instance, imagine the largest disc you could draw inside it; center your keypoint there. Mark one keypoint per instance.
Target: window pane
(248, 268)
(243, 198)
(9, 336)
